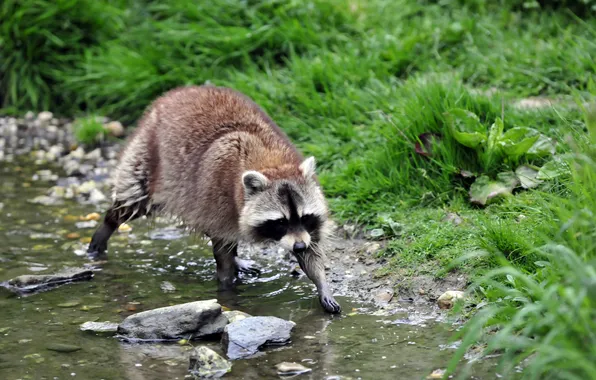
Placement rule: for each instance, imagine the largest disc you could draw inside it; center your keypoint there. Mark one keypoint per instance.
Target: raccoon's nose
(299, 247)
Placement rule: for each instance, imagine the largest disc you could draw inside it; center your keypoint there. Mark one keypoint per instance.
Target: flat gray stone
(99, 327)
(185, 321)
(30, 283)
(245, 337)
(206, 363)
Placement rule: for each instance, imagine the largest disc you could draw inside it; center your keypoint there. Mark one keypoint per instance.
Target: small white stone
(448, 299)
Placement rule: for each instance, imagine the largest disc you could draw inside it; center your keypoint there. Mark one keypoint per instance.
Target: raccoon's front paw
(330, 304)
(97, 252)
(247, 266)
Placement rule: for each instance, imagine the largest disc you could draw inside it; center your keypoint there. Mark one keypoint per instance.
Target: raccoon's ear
(308, 167)
(253, 182)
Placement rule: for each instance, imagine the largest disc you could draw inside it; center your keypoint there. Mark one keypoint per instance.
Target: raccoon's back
(200, 140)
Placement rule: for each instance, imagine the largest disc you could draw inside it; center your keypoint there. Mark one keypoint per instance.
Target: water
(35, 239)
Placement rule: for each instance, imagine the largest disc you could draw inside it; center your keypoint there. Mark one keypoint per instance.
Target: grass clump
(545, 319)
(40, 41)
(89, 130)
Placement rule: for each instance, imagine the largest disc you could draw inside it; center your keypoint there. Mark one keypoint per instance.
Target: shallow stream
(43, 239)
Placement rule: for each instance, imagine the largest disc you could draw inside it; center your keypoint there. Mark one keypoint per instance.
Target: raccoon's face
(292, 212)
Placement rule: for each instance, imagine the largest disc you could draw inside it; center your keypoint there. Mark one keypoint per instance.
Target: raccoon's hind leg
(115, 216)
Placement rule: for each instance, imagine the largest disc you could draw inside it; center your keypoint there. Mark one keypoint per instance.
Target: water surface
(38, 239)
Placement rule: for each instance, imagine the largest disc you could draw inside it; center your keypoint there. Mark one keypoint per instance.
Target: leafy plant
(497, 148)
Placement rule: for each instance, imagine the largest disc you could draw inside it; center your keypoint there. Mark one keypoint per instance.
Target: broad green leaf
(484, 190)
(517, 141)
(558, 166)
(492, 152)
(494, 134)
(466, 128)
(543, 147)
(527, 177)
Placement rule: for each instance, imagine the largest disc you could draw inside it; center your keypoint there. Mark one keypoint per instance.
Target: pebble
(448, 299)
(373, 248)
(436, 374)
(96, 196)
(61, 347)
(87, 224)
(115, 128)
(93, 216)
(291, 368)
(99, 327)
(383, 296)
(167, 287)
(124, 228)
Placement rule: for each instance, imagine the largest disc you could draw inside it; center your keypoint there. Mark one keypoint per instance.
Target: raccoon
(213, 158)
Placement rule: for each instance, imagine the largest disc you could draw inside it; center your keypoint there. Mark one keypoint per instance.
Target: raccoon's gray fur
(213, 158)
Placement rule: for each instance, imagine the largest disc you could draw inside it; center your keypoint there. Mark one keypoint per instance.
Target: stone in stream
(30, 283)
(206, 363)
(243, 338)
(185, 321)
(62, 347)
(291, 369)
(99, 327)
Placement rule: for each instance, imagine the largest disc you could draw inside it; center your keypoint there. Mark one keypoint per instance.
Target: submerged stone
(245, 337)
(61, 347)
(206, 363)
(291, 369)
(193, 319)
(29, 283)
(99, 327)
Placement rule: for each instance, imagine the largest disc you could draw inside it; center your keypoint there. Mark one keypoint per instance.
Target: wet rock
(46, 200)
(436, 374)
(36, 282)
(87, 187)
(448, 299)
(193, 319)
(97, 196)
(61, 347)
(87, 224)
(235, 315)
(77, 154)
(114, 128)
(167, 287)
(93, 216)
(69, 304)
(373, 248)
(44, 118)
(94, 155)
(291, 369)
(383, 296)
(99, 327)
(124, 228)
(244, 338)
(206, 363)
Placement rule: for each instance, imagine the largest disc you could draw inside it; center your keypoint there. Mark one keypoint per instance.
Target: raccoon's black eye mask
(273, 229)
(310, 222)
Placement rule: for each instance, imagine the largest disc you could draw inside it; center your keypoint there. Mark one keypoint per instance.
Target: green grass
(355, 83)
(89, 130)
